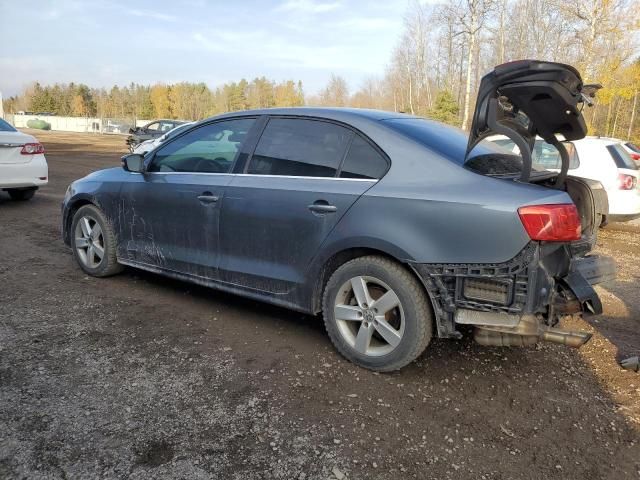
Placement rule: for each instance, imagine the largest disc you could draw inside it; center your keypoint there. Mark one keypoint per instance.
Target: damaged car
(151, 130)
(395, 228)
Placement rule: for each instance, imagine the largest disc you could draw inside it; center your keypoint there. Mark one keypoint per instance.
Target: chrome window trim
(372, 180)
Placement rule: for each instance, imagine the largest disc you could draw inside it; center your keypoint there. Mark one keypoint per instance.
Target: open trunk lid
(526, 98)
(529, 98)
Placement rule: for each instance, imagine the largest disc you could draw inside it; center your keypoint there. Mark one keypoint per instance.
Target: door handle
(322, 208)
(208, 197)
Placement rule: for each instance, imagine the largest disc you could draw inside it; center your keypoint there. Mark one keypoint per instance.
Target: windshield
(6, 127)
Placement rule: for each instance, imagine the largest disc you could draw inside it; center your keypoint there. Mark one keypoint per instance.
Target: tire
(87, 242)
(21, 194)
(410, 318)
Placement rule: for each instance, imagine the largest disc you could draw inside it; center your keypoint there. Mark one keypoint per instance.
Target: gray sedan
(395, 228)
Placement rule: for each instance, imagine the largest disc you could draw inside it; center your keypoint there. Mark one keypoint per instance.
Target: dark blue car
(394, 227)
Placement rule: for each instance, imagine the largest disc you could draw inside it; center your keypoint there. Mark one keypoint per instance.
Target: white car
(23, 167)
(597, 158)
(152, 143)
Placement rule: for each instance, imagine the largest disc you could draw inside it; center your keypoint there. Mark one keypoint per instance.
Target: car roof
(605, 140)
(333, 113)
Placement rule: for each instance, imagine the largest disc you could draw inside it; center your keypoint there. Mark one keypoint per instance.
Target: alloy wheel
(369, 316)
(89, 241)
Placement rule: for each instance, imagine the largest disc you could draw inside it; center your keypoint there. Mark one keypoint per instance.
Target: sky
(104, 42)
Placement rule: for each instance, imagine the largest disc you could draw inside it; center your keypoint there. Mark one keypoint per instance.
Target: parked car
(148, 145)
(23, 166)
(394, 227)
(151, 130)
(603, 159)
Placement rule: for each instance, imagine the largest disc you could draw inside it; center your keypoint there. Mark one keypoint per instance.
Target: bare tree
(473, 15)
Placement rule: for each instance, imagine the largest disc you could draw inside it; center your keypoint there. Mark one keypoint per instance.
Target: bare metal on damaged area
(393, 226)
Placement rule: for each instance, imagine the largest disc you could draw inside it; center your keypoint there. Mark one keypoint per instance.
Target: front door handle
(208, 197)
(322, 208)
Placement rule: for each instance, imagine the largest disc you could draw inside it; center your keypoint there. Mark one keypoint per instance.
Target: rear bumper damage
(521, 301)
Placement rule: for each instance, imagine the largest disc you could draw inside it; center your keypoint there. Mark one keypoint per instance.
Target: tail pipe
(571, 339)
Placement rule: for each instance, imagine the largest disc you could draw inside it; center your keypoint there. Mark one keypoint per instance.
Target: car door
(170, 213)
(278, 212)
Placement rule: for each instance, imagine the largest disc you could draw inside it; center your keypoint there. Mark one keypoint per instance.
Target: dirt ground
(137, 376)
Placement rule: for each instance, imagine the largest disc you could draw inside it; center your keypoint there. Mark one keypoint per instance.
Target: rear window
(446, 140)
(6, 127)
(621, 157)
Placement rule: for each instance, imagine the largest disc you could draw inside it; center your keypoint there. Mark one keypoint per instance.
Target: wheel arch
(340, 257)
(72, 208)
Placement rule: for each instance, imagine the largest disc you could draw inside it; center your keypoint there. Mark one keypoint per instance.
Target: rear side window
(363, 161)
(621, 157)
(6, 127)
(210, 148)
(302, 148)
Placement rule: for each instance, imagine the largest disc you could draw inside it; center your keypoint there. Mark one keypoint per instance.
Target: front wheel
(94, 243)
(377, 314)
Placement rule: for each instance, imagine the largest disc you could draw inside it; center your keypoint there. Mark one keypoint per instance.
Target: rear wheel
(377, 314)
(21, 194)
(94, 243)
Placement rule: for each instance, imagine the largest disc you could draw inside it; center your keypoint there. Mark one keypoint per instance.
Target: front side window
(363, 161)
(153, 127)
(302, 148)
(210, 148)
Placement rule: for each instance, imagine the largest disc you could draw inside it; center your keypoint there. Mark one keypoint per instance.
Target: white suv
(23, 167)
(597, 158)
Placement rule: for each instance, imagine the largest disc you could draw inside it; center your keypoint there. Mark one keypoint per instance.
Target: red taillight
(551, 223)
(32, 149)
(627, 182)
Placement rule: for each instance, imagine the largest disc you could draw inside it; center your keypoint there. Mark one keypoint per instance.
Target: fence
(77, 124)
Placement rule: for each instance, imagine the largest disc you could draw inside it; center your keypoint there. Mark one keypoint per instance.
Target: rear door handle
(322, 208)
(208, 197)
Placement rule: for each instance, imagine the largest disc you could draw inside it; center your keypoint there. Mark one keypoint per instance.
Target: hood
(526, 98)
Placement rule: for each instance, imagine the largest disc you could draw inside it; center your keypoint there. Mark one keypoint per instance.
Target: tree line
(434, 71)
(184, 100)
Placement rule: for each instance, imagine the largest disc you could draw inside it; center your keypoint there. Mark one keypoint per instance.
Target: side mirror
(134, 162)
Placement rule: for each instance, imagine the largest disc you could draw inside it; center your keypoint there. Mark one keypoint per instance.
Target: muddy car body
(414, 229)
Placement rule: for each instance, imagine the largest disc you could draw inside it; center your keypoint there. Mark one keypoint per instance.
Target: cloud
(151, 15)
(307, 6)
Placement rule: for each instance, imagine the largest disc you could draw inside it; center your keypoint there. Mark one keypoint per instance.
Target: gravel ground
(137, 376)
